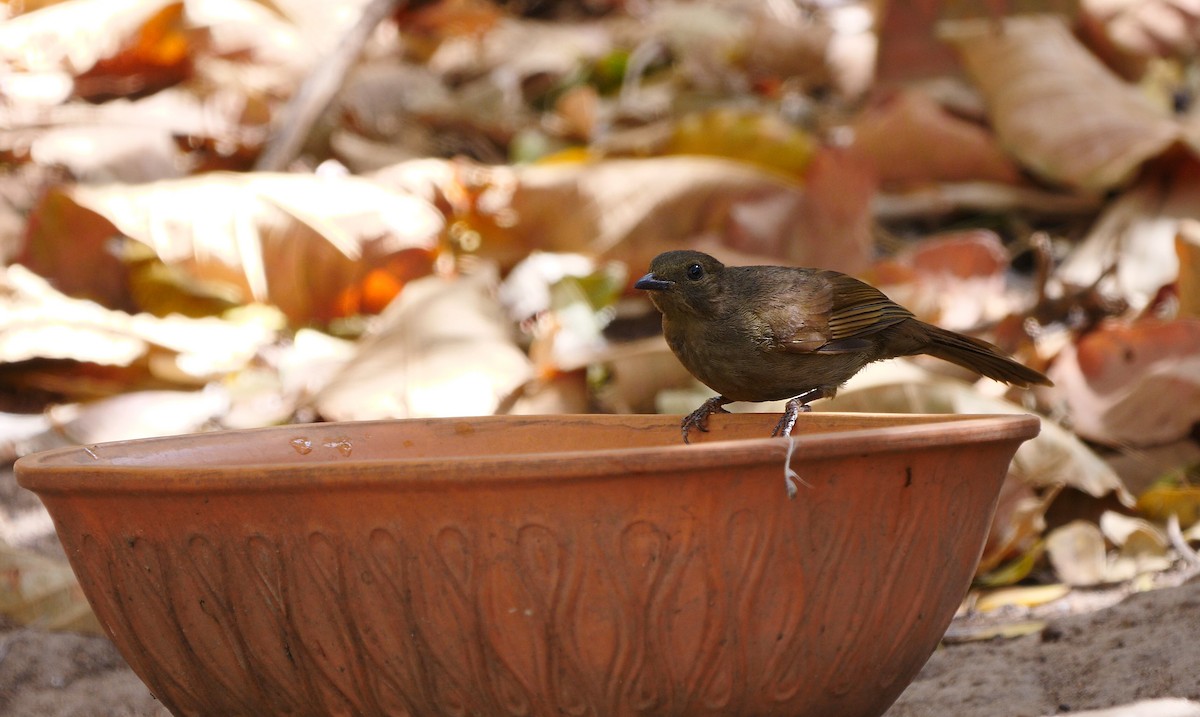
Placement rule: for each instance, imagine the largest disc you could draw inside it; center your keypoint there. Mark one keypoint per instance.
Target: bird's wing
(859, 310)
(795, 310)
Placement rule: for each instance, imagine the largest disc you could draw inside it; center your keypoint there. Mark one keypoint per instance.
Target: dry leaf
(1163, 501)
(911, 139)
(1136, 235)
(1056, 108)
(1078, 554)
(43, 593)
(1134, 384)
(37, 322)
(1023, 596)
(141, 414)
(301, 242)
(757, 138)
(630, 210)
(956, 280)
(1054, 458)
(115, 47)
(1133, 31)
(1187, 249)
(1141, 468)
(442, 349)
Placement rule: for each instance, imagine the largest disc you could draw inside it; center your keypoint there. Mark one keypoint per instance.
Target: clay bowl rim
(59, 470)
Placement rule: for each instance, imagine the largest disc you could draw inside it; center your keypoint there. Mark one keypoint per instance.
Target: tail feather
(981, 357)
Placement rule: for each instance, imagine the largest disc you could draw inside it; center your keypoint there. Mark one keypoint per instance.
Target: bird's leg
(793, 409)
(699, 417)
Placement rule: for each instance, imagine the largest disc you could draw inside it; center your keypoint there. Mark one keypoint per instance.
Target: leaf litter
(456, 231)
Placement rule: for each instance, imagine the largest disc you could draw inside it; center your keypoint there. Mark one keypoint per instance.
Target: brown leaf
(37, 322)
(1056, 108)
(913, 140)
(304, 243)
(957, 279)
(442, 349)
(1132, 384)
(1187, 248)
(158, 55)
(109, 49)
(630, 210)
(1134, 237)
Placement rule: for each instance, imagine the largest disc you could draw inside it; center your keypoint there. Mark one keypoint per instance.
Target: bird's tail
(981, 357)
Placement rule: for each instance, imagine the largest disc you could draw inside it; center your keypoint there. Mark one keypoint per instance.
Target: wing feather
(860, 309)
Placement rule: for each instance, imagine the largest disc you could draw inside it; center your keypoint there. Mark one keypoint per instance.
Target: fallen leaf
(757, 138)
(141, 414)
(1006, 631)
(443, 348)
(1161, 502)
(1023, 596)
(1187, 249)
(158, 55)
(107, 47)
(957, 280)
(1141, 546)
(913, 140)
(1134, 384)
(300, 242)
(1131, 32)
(1078, 554)
(43, 593)
(631, 210)
(1055, 107)
(1136, 234)
(38, 322)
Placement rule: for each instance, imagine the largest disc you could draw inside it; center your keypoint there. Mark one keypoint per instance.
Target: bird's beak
(650, 283)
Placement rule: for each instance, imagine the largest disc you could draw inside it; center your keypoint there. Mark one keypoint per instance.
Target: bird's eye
(695, 272)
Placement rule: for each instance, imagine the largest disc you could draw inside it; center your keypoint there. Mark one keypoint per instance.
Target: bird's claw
(698, 419)
(790, 412)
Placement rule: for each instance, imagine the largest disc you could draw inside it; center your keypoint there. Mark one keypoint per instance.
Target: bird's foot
(793, 409)
(790, 412)
(698, 419)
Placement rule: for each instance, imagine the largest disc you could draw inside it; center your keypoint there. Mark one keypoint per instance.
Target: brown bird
(766, 333)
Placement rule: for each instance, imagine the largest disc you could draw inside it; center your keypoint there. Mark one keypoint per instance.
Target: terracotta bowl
(565, 565)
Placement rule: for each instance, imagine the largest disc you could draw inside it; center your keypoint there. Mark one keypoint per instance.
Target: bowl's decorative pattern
(707, 593)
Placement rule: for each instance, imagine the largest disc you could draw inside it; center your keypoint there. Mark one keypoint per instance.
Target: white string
(791, 477)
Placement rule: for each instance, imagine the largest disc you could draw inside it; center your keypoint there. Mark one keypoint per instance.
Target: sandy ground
(1146, 646)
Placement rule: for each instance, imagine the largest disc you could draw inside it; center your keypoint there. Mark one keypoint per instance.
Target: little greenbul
(766, 333)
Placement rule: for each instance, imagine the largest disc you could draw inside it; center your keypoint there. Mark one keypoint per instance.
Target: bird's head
(683, 282)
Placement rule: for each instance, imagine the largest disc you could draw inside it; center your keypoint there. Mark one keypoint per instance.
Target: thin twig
(317, 92)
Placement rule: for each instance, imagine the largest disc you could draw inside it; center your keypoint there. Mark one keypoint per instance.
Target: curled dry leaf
(307, 244)
(1142, 547)
(1135, 384)
(109, 48)
(443, 348)
(38, 322)
(1078, 553)
(1136, 234)
(913, 140)
(1055, 107)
